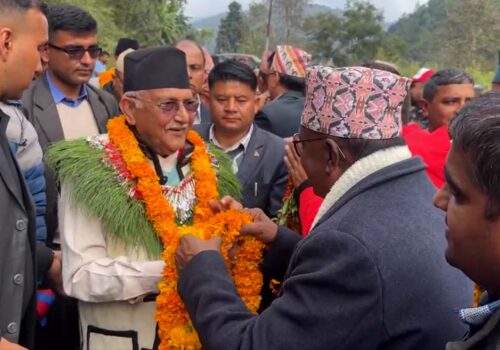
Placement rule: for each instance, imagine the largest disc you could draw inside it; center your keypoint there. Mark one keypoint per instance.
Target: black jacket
(282, 116)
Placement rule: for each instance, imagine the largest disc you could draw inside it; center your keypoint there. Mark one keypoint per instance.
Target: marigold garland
(175, 328)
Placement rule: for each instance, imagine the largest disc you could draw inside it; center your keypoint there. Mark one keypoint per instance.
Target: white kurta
(109, 280)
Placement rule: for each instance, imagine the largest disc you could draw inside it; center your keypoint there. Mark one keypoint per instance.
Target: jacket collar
(48, 115)
(365, 173)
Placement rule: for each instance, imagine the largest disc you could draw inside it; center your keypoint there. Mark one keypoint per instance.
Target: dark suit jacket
(262, 171)
(17, 250)
(41, 111)
(370, 276)
(205, 116)
(282, 116)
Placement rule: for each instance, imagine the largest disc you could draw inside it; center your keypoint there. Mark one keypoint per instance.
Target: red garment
(410, 129)
(433, 148)
(309, 204)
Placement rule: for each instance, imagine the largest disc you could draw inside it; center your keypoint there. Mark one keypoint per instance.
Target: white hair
(135, 97)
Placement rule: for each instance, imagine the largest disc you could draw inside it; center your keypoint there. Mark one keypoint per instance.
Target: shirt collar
(244, 141)
(59, 96)
(478, 316)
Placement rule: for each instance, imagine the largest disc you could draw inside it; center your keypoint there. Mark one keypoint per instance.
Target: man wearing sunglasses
(63, 106)
(371, 273)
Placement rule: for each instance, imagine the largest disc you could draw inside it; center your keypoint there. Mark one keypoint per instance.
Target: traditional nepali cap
(155, 68)
(354, 102)
(423, 75)
(289, 60)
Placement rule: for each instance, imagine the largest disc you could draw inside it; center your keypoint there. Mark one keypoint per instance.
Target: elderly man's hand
(190, 246)
(262, 228)
(294, 166)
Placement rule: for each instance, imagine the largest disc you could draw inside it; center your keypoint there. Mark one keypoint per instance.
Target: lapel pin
(256, 154)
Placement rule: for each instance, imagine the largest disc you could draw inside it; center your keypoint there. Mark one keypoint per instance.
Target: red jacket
(433, 148)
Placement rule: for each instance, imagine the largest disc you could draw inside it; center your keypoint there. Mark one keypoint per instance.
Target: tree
(322, 35)
(255, 24)
(108, 31)
(152, 22)
(469, 33)
(292, 13)
(230, 34)
(362, 32)
(347, 39)
(201, 36)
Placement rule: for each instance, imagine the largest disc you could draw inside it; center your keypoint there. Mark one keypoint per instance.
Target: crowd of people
(158, 201)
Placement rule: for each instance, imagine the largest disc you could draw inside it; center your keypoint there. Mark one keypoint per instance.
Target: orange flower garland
(175, 328)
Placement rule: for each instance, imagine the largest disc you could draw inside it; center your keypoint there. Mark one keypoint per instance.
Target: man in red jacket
(445, 93)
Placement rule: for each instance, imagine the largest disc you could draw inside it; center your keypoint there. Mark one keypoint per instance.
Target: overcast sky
(393, 9)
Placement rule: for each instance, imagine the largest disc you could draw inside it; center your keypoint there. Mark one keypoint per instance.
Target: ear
(333, 157)
(256, 104)
(6, 43)
(424, 106)
(127, 106)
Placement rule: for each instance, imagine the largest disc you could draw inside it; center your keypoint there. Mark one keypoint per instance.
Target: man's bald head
(195, 63)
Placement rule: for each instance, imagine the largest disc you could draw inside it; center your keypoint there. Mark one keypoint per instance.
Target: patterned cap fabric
(354, 102)
(290, 61)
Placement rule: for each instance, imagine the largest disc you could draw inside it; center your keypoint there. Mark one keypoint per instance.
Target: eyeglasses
(170, 108)
(77, 52)
(297, 144)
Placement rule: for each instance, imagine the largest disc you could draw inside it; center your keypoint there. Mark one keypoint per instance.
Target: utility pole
(268, 34)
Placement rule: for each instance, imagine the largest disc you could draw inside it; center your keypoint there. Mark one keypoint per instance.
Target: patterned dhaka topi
(290, 60)
(354, 102)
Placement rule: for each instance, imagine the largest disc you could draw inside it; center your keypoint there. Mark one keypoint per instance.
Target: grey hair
(476, 132)
(445, 77)
(135, 97)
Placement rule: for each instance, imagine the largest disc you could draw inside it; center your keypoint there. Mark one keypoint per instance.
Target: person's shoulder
(269, 137)
(202, 129)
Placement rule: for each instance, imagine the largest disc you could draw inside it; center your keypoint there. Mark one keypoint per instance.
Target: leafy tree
(108, 31)
(152, 22)
(201, 36)
(347, 39)
(230, 35)
(469, 32)
(362, 32)
(322, 33)
(255, 25)
(292, 17)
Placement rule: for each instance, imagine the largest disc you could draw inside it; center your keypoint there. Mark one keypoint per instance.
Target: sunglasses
(77, 52)
(170, 108)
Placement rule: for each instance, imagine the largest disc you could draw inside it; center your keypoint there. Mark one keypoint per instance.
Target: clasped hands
(262, 228)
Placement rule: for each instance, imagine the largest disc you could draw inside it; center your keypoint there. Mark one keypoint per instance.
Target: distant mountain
(212, 22)
(418, 28)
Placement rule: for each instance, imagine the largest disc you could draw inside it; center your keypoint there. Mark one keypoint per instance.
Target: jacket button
(12, 328)
(21, 225)
(18, 279)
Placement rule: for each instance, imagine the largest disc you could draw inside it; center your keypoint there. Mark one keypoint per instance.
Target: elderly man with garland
(371, 273)
(126, 193)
